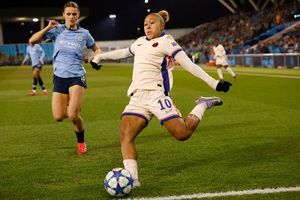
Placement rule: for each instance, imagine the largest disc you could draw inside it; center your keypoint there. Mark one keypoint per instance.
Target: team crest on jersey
(79, 37)
(174, 44)
(155, 44)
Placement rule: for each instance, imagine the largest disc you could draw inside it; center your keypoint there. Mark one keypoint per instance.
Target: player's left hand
(95, 65)
(223, 86)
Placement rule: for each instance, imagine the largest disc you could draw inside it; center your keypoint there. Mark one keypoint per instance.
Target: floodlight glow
(35, 19)
(296, 16)
(146, 1)
(148, 10)
(112, 16)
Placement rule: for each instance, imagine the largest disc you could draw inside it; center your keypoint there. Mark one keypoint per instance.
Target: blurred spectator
(240, 32)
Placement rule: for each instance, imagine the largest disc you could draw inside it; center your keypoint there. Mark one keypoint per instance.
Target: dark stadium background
(127, 25)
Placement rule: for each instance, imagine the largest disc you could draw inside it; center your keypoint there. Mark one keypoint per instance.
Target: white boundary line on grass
(261, 74)
(269, 75)
(224, 194)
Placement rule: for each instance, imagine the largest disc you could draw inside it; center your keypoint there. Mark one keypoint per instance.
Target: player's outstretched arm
(187, 64)
(111, 55)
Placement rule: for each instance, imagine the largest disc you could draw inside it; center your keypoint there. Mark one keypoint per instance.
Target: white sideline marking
(224, 194)
(269, 75)
(261, 74)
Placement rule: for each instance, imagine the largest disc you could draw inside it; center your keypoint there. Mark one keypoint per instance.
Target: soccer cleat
(44, 92)
(209, 101)
(32, 93)
(136, 183)
(81, 148)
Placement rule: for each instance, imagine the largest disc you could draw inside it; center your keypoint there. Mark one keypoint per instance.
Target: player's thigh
(131, 126)
(76, 93)
(59, 105)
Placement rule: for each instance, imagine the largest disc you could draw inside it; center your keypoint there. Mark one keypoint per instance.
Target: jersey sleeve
(133, 46)
(194, 69)
(51, 34)
(90, 40)
(171, 46)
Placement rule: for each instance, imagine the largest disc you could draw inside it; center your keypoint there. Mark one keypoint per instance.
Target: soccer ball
(118, 182)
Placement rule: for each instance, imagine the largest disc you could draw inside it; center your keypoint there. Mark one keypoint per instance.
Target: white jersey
(220, 55)
(150, 69)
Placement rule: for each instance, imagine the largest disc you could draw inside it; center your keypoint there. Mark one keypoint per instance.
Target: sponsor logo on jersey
(155, 44)
(69, 44)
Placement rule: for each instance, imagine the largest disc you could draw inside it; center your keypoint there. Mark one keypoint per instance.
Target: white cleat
(209, 101)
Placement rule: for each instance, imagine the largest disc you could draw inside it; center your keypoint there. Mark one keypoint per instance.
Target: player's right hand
(223, 86)
(52, 23)
(95, 65)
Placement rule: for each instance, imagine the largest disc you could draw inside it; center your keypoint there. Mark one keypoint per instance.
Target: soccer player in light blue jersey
(150, 88)
(36, 53)
(69, 80)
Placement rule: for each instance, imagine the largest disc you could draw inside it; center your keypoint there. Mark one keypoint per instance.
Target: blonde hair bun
(165, 15)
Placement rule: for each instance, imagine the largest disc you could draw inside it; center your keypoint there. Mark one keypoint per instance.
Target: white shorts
(149, 103)
(222, 60)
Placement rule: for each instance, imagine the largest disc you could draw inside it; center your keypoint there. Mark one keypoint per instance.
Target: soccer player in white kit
(221, 60)
(149, 91)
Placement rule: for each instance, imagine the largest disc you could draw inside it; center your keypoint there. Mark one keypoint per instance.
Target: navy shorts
(62, 85)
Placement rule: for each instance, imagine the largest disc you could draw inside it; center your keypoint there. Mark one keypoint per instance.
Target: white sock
(230, 71)
(199, 110)
(131, 166)
(220, 73)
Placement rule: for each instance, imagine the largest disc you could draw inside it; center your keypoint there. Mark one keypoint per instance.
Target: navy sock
(41, 83)
(80, 136)
(35, 80)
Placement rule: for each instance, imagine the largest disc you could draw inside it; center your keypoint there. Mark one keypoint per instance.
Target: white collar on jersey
(161, 34)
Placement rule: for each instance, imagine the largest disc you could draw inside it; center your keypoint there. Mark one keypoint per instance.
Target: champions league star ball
(118, 182)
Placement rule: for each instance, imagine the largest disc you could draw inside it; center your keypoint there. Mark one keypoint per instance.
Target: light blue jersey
(36, 54)
(68, 50)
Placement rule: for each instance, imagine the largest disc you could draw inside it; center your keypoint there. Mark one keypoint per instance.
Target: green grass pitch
(251, 141)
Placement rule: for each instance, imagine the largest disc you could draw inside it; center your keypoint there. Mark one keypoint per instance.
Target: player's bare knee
(73, 116)
(181, 135)
(58, 118)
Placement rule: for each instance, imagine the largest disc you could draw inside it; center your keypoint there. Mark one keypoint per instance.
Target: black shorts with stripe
(62, 85)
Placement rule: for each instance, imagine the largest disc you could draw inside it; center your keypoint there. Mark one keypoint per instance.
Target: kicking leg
(182, 129)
